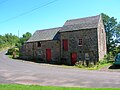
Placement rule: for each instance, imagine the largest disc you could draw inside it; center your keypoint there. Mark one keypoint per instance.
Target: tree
(8, 40)
(110, 24)
(117, 39)
(11, 39)
(25, 37)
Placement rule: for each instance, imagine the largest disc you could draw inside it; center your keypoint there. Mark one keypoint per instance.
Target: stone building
(43, 46)
(82, 39)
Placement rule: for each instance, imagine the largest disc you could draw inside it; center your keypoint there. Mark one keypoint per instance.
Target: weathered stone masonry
(78, 40)
(89, 44)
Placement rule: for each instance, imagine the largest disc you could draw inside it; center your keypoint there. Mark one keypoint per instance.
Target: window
(80, 42)
(102, 30)
(39, 44)
(65, 44)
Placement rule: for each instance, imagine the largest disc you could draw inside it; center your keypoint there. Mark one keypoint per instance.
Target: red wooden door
(73, 58)
(48, 55)
(65, 44)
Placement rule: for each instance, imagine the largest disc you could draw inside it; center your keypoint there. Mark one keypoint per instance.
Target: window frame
(80, 42)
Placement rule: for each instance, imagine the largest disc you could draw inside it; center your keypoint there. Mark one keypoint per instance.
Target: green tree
(11, 39)
(25, 37)
(8, 40)
(110, 24)
(117, 33)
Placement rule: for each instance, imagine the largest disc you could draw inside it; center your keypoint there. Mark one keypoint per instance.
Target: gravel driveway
(23, 72)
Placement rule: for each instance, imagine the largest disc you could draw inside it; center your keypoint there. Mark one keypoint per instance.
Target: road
(23, 72)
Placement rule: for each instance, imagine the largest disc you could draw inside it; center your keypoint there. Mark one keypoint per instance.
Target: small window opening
(80, 42)
(39, 44)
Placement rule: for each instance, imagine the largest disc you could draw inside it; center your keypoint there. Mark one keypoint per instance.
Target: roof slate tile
(81, 23)
(46, 34)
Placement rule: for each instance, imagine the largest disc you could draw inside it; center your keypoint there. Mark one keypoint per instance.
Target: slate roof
(70, 25)
(46, 34)
(81, 23)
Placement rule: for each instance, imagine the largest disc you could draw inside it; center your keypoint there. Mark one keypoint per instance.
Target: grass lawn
(36, 87)
(99, 67)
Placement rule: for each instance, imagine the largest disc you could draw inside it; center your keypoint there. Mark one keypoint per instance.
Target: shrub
(101, 62)
(79, 64)
(10, 51)
(91, 64)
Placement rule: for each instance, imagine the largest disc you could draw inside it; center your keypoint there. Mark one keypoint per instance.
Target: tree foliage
(117, 39)
(112, 29)
(25, 37)
(9, 40)
(110, 25)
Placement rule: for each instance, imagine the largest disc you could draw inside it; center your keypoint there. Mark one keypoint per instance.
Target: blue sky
(49, 15)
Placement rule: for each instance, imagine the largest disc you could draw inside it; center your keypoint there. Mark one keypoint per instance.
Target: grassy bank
(36, 87)
(101, 64)
(5, 48)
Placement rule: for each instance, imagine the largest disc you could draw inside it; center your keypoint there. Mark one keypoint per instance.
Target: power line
(24, 13)
(3, 1)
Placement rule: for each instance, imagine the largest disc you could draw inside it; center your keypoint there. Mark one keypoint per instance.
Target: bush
(10, 51)
(101, 62)
(79, 64)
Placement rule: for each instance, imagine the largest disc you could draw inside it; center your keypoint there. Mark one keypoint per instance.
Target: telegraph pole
(18, 33)
(19, 39)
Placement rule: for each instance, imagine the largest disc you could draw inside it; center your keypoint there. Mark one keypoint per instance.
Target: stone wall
(22, 52)
(26, 51)
(55, 51)
(89, 45)
(31, 51)
(101, 40)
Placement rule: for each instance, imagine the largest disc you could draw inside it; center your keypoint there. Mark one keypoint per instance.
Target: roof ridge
(49, 29)
(84, 17)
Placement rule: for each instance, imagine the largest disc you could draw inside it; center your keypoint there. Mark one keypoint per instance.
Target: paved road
(21, 72)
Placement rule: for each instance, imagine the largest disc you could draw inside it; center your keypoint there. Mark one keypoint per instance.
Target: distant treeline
(9, 40)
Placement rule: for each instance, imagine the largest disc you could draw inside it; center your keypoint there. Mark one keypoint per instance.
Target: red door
(48, 55)
(65, 44)
(73, 58)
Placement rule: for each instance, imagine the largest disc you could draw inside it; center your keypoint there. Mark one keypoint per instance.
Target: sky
(21, 16)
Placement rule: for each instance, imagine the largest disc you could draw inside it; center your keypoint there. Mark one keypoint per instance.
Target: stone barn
(43, 46)
(82, 39)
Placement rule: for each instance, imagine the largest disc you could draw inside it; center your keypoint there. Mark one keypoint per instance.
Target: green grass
(96, 67)
(5, 48)
(99, 66)
(102, 64)
(36, 87)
